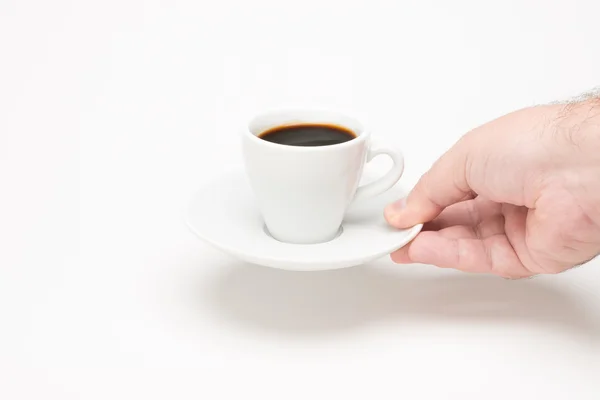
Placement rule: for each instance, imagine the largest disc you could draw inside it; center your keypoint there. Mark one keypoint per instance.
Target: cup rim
(361, 136)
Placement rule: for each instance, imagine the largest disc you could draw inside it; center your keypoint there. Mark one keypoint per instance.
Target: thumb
(444, 184)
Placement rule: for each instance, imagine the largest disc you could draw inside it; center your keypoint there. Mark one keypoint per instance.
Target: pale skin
(516, 197)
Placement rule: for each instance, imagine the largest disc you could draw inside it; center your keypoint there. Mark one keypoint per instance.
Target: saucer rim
(271, 261)
(412, 232)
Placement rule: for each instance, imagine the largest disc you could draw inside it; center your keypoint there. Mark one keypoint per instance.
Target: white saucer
(223, 213)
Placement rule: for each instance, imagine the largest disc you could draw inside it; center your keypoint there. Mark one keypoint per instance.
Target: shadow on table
(312, 303)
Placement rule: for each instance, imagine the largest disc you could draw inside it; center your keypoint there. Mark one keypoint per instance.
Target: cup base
(339, 233)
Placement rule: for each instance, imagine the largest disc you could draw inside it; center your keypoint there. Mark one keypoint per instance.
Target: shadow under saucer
(313, 303)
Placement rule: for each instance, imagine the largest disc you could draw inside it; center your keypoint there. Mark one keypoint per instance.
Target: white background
(112, 113)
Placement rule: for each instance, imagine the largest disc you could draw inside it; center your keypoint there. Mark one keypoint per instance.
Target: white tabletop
(112, 113)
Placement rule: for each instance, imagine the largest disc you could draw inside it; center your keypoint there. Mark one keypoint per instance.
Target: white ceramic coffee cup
(304, 192)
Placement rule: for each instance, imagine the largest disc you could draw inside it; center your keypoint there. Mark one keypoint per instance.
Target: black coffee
(308, 135)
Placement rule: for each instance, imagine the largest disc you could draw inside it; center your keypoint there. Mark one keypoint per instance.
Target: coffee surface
(308, 135)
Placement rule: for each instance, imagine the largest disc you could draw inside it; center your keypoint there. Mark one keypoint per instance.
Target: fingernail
(397, 206)
(393, 210)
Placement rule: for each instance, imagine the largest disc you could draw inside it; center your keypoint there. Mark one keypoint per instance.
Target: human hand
(516, 197)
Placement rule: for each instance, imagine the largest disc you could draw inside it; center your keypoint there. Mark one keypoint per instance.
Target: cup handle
(389, 179)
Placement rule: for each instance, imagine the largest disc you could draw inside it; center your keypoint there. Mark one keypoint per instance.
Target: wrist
(577, 130)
